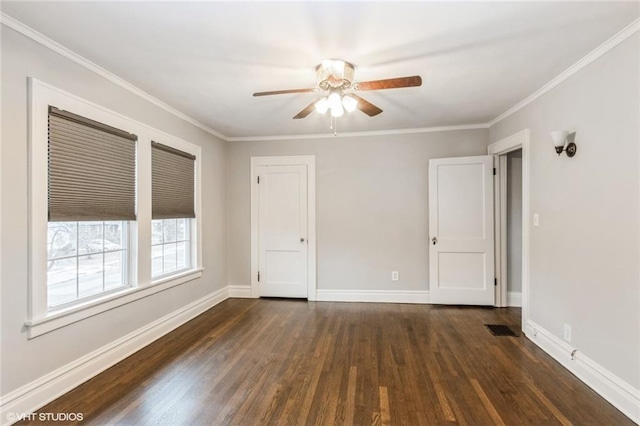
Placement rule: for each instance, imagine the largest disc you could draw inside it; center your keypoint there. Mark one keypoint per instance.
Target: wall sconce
(561, 138)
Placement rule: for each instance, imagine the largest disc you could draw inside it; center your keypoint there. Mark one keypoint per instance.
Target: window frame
(127, 273)
(41, 319)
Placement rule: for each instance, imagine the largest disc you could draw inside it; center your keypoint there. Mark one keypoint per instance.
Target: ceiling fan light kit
(336, 76)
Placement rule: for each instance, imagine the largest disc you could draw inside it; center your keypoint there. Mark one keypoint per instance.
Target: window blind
(172, 183)
(92, 170)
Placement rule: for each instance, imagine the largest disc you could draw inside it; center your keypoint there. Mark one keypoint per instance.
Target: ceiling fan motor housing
(334, 73)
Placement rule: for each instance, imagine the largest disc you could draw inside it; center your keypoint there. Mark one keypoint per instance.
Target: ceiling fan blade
(366, 106)
(284, 92)
(306, 111)
(391, 83)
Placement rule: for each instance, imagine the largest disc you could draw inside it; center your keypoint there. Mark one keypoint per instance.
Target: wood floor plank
(385, 415)
(351, 395)
(487, 403)
(268, 362)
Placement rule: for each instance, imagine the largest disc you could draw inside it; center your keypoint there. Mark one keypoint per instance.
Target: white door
(282, 231)
(461, 256)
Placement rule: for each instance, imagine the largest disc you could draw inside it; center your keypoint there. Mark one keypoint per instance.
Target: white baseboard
(619, 393)
(375, 296)
(240, 291)
(514, 298)
(34, 395)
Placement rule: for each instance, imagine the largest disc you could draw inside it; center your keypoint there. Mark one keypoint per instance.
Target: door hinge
(495, 282)
(494, 172)
(258, 276)
(259, 177)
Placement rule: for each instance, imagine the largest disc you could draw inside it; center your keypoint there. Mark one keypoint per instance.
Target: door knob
(434, 240)
(302, 240)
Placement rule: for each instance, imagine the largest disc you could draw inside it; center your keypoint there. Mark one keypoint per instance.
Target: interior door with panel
(461, 224)
(282, 231)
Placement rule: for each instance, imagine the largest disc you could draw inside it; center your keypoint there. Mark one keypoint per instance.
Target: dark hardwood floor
(270, 362)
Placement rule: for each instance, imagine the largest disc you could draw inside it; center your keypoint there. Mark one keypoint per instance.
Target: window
(172, 176)
(100, 192)
(171, 246)
(91, 197)
(85, 259)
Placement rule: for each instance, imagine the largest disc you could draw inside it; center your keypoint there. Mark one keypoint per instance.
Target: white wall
(25, 360)
(372, 205)
(514, 221)
(584, 255)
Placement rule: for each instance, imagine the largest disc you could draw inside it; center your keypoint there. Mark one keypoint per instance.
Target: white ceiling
(206, 59)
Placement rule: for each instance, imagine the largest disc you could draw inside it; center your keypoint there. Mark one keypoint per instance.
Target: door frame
(310, 162)
(514, 142)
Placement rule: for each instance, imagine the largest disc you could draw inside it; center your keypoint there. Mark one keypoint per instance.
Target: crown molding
(80, 60)
(29, 32)
(38, 37)
(356, 134)
(621, 36)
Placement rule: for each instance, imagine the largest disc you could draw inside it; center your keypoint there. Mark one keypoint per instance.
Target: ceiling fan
(335, 79)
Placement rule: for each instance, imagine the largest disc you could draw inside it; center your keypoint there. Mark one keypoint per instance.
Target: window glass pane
(169, 230)
(169, 258)
(114, 269)
(114, 235)
(61, 280)
(90, 238)
(78, 265)
(61, 239)
(182, 229)
(156, 232)
(182, 255)
(156, 261)
(90, 274)
(171, 246)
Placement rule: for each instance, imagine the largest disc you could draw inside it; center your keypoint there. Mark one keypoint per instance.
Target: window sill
(63, 317)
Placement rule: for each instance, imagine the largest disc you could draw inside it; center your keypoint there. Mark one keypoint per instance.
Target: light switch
(536, 219)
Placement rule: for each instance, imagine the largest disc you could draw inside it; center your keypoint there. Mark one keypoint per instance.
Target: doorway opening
(512, 222)
(512, 274)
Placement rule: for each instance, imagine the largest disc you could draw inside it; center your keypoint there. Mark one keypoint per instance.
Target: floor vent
(500, 330)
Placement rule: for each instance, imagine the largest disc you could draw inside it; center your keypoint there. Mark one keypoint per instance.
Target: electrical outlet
(395, 275)
(567, 332)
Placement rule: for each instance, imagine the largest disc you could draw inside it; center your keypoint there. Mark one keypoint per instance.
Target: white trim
(500, 211)
(356, 134)
(45, 389)
(508, 144)
(514, 142)
(374, 296)
(40, 320)
(619, 393)
(69, 54)
(621, 36)
(514, 299)
(34, 35)
(240, 291)
(57, 319)
(310, 162)
(80, 60)
(1, 192)
(504, 247)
